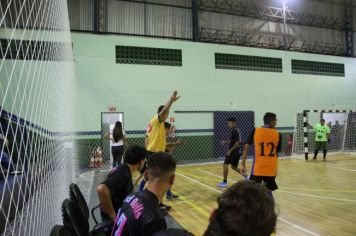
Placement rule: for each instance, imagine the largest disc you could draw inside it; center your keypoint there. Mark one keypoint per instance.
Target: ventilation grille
(35, 50)
(251, 63)
(148, 56)
(318, 68)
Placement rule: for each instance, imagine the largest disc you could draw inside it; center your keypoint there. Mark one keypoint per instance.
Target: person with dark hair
(244, 209)
(118, 140)
(118, 184)
(155, 140)
(322, 134)
(267, 142)
(140, 213)
(233, 153)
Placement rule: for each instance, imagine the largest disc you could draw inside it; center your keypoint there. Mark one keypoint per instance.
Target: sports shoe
(222, 185)
(247, 177)
(164, 207)
(171, 196)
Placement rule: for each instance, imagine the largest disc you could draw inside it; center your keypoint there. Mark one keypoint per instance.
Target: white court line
(196, 181)
(301, 194)
(316, 196)
(215, 190)
(206, 172)
(296, 226)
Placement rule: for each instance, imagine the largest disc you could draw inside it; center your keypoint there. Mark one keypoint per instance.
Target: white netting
(342, 131)
(36, 102)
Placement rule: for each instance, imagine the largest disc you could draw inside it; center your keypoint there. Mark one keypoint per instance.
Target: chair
(76, 195)
(75, 221)
(60, 230)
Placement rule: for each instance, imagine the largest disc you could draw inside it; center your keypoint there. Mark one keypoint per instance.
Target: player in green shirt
(322, 133)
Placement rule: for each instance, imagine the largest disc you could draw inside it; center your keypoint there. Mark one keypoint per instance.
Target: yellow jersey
(156, 135)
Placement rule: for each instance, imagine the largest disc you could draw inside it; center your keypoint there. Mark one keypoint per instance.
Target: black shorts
(233, 159)
(270, 181)
(321, 144)
(148, 154)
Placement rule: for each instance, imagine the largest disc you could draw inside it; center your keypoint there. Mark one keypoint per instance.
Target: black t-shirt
(139, 215)
(249, 140)
(235, 137)
(119, 182)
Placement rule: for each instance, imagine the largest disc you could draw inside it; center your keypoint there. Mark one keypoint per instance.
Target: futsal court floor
(314, 197)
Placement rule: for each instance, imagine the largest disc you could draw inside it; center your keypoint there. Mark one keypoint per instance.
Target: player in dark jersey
(118, 184)
(140, 213)
(234, 152)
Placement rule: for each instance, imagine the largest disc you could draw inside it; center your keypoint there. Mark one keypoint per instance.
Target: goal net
(342, 124)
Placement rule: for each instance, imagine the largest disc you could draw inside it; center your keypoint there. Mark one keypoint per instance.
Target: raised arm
(169, 103)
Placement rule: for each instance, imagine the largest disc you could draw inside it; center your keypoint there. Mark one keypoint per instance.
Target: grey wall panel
(81, 14)
(126, 17)
(169, 22)
(146, 19)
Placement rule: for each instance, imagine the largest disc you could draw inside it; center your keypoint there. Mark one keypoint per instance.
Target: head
(270, 119)
(135, 156)
(164, 116)
(244, 209)
(161, 169)
(322, 121)
(167, 126)
(336, 122)
(231, 122)
(117, 132)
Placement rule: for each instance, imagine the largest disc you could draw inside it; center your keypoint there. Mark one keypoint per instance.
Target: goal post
(342, 124)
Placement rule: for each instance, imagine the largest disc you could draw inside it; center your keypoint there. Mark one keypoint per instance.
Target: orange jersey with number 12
(266, 142)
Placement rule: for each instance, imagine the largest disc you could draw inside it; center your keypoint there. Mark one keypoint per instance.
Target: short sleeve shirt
(119, 182)
(321, 132)
(139, 215)
(235, 137)
(156, 135)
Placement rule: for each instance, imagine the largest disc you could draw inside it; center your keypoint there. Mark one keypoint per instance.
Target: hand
(174, 96)
(179, 142)
(223, 142)
(113, 217)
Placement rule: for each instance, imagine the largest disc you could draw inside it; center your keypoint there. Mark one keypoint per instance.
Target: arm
(105, 200)
(125, 140)
(169, 103)
(244, 157)
(107, 136)
(146, 141)
(234, 147)
(279, 146)
(249, 142)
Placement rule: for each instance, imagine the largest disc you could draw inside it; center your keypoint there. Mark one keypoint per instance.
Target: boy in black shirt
(118, 184)
(234, 152)
(140, 213)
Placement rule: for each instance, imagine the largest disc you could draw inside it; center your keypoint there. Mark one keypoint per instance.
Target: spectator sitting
(140, 213)
(244, 209)
(118, 184)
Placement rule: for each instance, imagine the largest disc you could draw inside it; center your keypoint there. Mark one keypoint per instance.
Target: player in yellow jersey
(155, 140)
(267, 142)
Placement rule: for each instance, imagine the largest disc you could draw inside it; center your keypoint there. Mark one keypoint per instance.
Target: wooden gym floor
(314, 197)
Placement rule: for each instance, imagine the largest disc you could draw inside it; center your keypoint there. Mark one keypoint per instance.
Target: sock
(225, 181)
(142, 185)
(324, 153)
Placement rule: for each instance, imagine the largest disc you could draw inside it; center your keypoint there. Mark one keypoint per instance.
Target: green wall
(137, 90)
